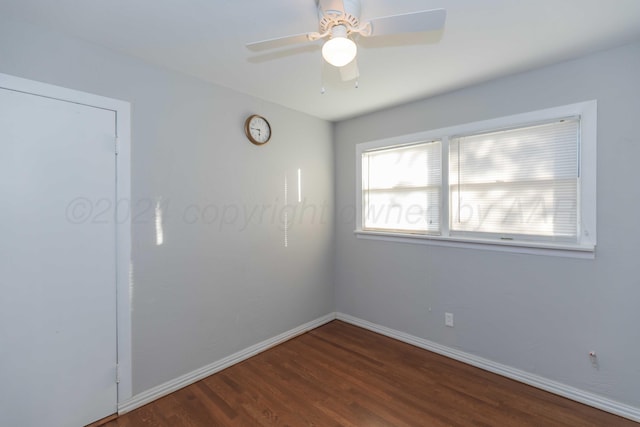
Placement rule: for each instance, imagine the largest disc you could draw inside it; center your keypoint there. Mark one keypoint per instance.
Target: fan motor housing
(337, 12)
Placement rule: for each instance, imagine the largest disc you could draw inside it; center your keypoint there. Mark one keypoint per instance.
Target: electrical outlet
(448, 319)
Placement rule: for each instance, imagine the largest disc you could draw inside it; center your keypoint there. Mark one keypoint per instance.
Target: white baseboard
(170, 386)
(537, 381)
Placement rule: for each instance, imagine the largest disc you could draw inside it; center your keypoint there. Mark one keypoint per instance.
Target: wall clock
(257, 129)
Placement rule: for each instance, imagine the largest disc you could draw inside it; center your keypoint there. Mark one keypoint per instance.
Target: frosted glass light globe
(339, 50)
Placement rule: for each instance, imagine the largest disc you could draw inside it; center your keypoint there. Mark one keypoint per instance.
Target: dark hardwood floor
(342, 375)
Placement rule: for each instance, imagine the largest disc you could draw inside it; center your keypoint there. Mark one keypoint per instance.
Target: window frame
(586, 242)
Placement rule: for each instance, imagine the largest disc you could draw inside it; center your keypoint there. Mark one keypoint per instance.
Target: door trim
(122, 206)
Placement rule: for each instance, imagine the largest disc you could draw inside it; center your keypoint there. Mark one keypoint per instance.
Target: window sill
(519, 247)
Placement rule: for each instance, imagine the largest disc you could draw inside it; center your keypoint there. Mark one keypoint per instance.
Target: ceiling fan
(339, 23)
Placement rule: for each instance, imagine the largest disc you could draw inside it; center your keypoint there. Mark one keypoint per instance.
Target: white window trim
(585, 248)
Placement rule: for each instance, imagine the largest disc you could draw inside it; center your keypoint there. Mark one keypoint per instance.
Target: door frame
(122, 209)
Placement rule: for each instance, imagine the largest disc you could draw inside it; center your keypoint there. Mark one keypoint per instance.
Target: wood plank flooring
(342, 375)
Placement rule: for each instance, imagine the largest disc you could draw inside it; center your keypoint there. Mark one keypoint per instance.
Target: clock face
(257, 129)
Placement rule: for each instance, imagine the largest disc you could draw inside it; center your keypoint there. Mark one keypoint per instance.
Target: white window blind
(401, 188)
(518, 182)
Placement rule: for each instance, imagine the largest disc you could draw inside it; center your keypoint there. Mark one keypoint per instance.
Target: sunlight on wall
(159, 229)
(286, 214)
(299, 185)
(131, 284)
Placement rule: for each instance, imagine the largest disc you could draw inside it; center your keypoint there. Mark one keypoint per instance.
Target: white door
(57, 262)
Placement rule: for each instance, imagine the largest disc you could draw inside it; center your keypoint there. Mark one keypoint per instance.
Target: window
(401, 188)
(518, 183)
(523, 183)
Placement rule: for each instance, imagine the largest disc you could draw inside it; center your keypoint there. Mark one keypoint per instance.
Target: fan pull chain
(323, 89)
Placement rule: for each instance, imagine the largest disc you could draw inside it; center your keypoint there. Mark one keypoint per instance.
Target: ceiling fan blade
(425, 20)
(350, 71)
(278, 42)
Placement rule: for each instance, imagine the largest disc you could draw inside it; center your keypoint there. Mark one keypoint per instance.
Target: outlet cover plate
(448, 319)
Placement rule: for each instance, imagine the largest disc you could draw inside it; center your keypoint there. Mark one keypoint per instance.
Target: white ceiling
(482, 39)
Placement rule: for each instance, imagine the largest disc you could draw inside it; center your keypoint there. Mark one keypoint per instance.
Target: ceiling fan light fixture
(339, 50)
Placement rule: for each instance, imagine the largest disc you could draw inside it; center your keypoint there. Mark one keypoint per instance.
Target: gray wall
(215, 286)
(540, 314)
